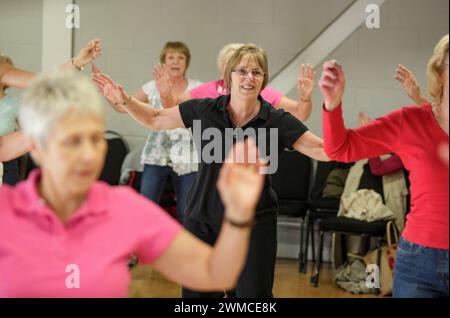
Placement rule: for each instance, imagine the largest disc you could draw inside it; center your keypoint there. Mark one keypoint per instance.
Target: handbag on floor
(387, 262)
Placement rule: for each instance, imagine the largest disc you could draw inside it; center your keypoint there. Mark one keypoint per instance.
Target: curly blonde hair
(435, 70)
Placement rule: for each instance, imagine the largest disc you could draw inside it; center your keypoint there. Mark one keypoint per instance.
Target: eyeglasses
(243, 72)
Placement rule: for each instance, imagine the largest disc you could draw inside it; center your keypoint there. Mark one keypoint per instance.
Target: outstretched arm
(378, 137)
(12, 146)
(195, 264)
(145, 114)
(312, 146)
(305, 86)
(14, 77)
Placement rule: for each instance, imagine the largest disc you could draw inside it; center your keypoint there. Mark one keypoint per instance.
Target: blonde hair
(7, 60)
(435, 70)
(225, 51)
(178, 47)
(254, 52)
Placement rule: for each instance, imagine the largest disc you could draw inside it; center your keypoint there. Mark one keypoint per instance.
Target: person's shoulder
(204, 103)
(9, 195)
(5, 192)
(413, 111)
(277, 113)
(11, 102)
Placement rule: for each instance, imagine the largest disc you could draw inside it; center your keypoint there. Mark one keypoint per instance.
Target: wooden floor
(289, 283)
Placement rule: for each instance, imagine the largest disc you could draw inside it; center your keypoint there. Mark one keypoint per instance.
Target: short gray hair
(53, 95)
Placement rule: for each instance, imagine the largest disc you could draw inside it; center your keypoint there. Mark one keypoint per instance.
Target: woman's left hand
(305, 85)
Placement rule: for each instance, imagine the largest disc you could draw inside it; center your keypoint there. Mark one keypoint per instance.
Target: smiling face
(246, 73)
(74, 152)
(247, 78)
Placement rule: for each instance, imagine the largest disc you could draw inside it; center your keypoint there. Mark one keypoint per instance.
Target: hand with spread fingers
(410, 84)
(305, 85)
(240, 184)
(162, 79)
(113, 92)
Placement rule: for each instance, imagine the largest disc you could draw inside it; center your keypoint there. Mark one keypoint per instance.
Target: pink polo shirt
(86, 257)
(215, 89)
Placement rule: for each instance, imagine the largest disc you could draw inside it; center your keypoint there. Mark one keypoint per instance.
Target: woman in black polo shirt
(241, 114)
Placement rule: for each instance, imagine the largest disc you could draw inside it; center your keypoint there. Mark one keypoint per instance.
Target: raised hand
(332, 84)
(363, 119)
(240, 184)
(162, 79)
(113, 92)
(409, 83)
(89, 52)
(305, 85)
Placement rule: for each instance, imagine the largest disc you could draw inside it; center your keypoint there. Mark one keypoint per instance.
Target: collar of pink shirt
(27, 201)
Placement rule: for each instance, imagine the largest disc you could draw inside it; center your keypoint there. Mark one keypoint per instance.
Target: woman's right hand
(113, 92)
(332, 84)
(240, 184)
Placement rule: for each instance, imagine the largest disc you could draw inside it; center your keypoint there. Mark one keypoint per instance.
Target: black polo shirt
(203, 200)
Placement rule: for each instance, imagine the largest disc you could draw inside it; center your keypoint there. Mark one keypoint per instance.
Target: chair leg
(301, 263)
(343, 247)
(313, 241)
(305, 246)
(315, 277)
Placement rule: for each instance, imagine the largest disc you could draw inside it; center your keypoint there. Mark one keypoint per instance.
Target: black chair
(291, 183)
(318, 208)
(117, 151)
(347, 226)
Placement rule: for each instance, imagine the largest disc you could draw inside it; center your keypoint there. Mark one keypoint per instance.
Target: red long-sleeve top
(414, 135)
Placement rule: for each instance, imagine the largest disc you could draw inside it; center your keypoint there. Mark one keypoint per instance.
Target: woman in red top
(414, 134)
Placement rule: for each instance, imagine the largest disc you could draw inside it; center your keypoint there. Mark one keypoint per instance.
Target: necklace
(235, 124)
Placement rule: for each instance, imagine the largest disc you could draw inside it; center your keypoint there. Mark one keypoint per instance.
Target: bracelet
(305, 100)
(76, 66)
(239, 224)
(127, 101)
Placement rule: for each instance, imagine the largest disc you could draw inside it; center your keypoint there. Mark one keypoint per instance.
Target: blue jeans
(420, 272)
(154, 179)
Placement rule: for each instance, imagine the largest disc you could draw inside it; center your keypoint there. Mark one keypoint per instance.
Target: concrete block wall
(134, 32)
